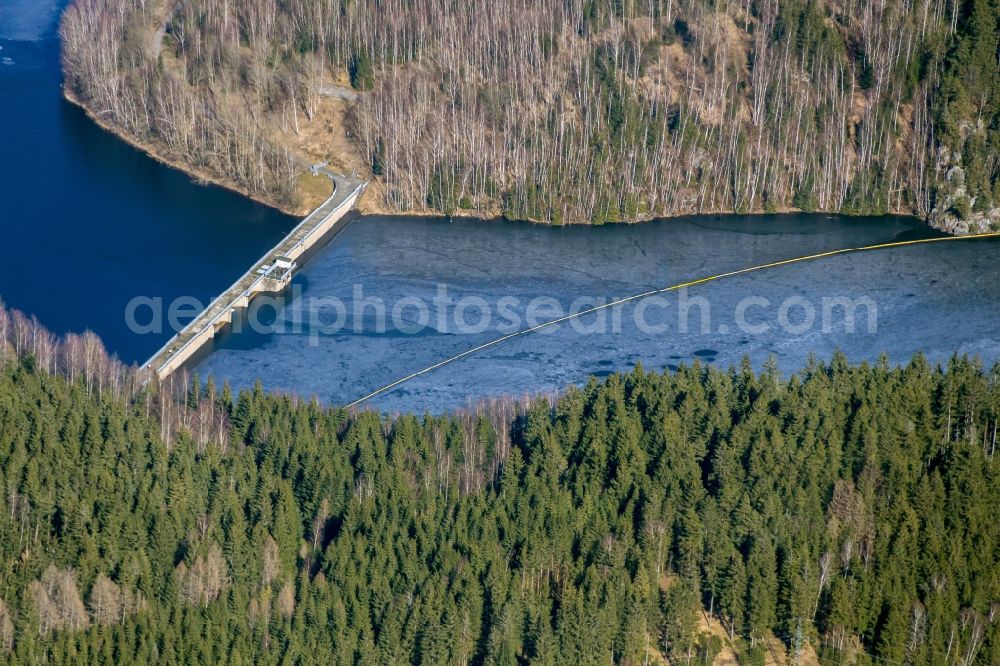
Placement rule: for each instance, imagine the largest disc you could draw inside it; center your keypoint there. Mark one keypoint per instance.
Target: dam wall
(271, 273)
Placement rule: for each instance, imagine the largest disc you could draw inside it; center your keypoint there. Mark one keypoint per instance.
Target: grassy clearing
(313, 190)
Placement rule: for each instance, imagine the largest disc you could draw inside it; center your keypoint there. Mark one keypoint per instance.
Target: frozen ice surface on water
(938, 298)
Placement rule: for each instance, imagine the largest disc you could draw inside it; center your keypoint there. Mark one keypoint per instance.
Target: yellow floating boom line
(682, 285)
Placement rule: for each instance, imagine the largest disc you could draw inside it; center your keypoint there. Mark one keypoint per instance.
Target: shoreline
(150, 150)
(371, 207)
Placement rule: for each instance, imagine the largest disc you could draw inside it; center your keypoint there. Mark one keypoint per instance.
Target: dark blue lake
(87, 222)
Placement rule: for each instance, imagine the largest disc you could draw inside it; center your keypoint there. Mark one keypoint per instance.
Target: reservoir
(334, 335)
(89, 224)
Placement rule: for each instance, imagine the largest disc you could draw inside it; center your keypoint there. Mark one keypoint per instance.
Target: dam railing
(311, 230)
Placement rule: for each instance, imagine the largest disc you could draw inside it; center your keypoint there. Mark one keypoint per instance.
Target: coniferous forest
(847, 511)
(564, 111)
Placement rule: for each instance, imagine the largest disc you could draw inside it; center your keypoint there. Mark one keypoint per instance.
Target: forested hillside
(566, 111)
(849, 511)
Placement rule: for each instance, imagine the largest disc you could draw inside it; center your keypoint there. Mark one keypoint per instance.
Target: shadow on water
(918, 233)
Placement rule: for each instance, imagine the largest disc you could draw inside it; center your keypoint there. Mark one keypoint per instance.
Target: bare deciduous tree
(206, 578)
